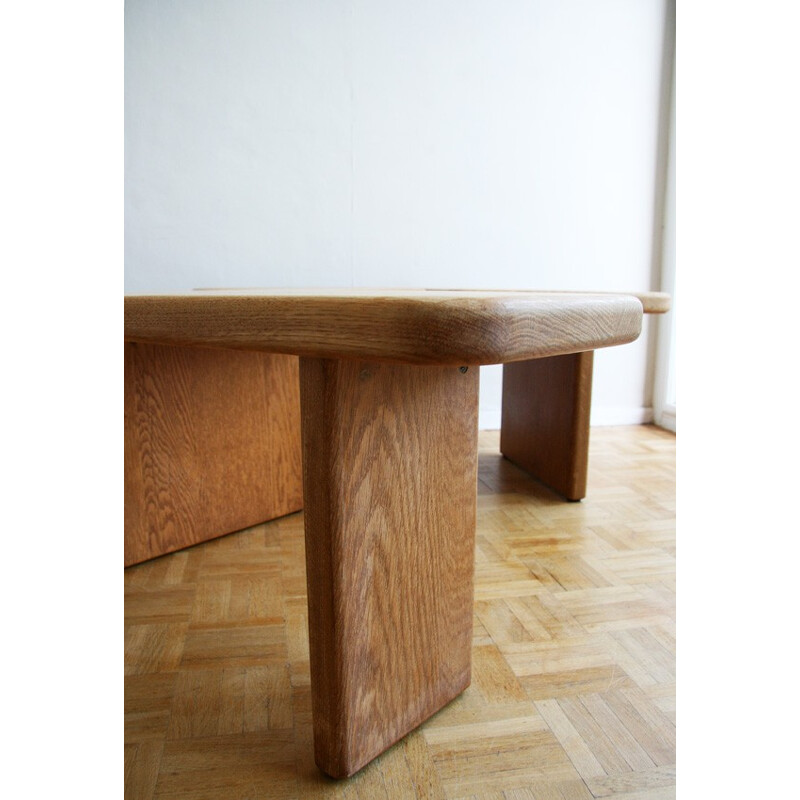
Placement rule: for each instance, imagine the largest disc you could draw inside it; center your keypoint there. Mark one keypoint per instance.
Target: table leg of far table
(547, 405)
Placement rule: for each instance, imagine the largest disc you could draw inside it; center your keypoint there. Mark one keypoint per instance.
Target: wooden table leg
(212, 444)
(545, 422)
(390, 477)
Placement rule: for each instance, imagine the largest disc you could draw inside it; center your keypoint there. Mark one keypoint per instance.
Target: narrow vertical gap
(349, 34)
(655, 330)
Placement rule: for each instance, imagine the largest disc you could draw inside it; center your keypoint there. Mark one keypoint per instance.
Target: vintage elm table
(388, 406)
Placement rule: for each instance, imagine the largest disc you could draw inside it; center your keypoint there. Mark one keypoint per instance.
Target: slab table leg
(545, 420)
(390, 476)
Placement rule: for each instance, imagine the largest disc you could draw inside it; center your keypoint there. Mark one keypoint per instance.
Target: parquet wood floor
(573, 687)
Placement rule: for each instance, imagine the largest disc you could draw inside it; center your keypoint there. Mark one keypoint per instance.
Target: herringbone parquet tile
(573, 690)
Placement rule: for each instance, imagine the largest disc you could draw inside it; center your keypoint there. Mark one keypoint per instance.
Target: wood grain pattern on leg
(390, 460)
(545, 419)
(212, 444)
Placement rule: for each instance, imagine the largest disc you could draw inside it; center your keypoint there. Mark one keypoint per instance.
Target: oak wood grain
(545, 419)
(419, 327)
(390, 459)
(212, 444)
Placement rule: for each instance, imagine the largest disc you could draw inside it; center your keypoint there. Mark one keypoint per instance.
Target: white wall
(426, 143)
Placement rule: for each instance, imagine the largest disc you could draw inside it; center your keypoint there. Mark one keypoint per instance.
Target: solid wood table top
(418, 327)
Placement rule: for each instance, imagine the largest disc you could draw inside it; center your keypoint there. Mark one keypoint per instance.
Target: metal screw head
(463, 369)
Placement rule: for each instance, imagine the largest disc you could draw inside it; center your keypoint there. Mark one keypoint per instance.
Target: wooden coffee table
(389, 410)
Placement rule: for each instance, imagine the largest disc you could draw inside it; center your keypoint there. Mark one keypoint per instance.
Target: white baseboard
(625, 415)
(489, 416)
(668, 418)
